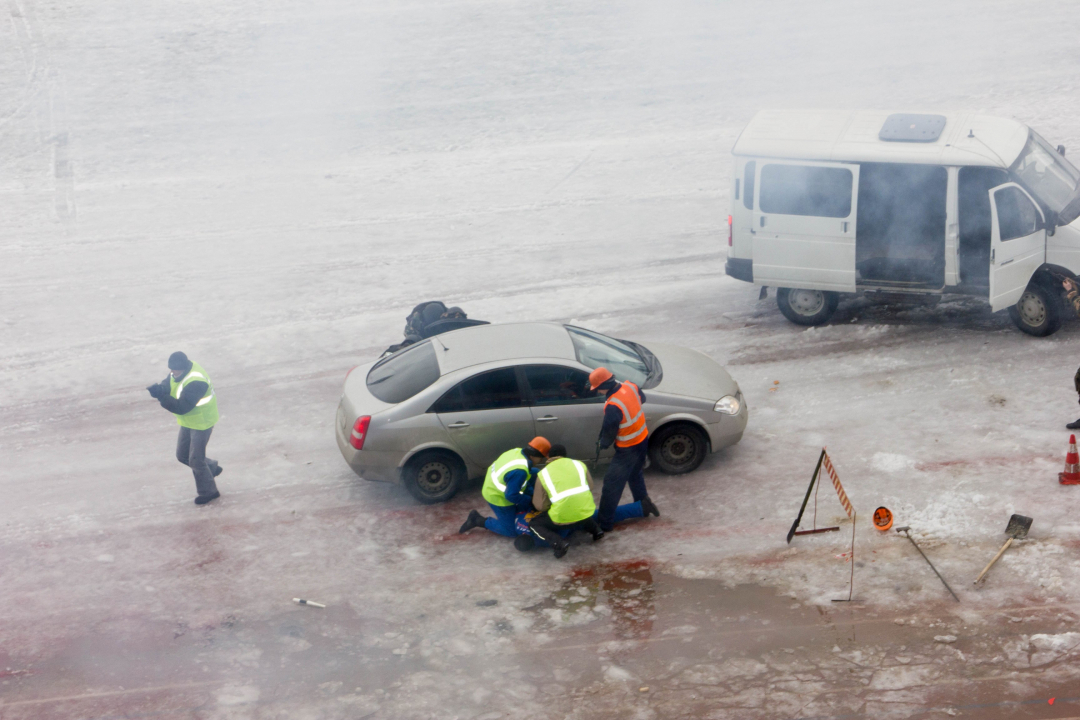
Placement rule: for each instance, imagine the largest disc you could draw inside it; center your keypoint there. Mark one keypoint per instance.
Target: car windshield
(1046, 173)
(595, 350)
(403, 374)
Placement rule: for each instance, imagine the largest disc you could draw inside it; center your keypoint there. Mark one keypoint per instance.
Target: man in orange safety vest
(624, 425)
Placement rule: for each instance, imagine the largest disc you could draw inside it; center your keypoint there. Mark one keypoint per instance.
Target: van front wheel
(1038, 311)
(807, 307)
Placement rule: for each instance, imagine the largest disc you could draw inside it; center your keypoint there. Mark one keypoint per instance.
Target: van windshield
(1047, 174)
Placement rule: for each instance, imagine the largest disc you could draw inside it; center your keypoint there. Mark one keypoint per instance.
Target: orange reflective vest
(632, 429)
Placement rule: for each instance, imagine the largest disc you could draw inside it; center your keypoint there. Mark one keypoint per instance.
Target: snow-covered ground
(272, 186)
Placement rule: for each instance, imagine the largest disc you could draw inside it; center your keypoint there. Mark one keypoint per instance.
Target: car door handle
(459, 424)
(547, 418)
(991, 254)
(762, 220)
(844, 226)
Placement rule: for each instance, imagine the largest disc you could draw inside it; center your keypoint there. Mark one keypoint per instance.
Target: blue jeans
(629, 511)
(503, 522)
(627, 468)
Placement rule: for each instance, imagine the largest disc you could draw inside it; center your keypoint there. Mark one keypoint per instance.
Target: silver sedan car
(439, 412)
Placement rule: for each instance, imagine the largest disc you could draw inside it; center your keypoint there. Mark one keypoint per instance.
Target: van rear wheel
(807, 307)
(1038, 312)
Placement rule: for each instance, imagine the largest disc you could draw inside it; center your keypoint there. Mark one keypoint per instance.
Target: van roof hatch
(904, 127)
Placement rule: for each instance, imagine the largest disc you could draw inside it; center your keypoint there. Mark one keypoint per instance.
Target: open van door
(1017, 243)
(804, 225)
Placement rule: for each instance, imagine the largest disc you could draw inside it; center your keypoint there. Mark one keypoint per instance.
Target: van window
(403, 374)
(748, 185)
(1017, 216)
(806, 190)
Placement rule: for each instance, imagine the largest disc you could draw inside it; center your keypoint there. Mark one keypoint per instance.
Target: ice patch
(105, 558)
(412, 552)
(614, 673)
(237, 695)
(890, 462)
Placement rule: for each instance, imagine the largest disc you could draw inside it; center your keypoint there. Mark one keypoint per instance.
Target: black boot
(598, 535)
(217, 470)
(560, 547)
(1074, 425)
(648, 507)
(524, 543)
(474, 520)
(203, 499)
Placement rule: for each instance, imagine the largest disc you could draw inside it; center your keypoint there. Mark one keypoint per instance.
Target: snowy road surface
(271, 187)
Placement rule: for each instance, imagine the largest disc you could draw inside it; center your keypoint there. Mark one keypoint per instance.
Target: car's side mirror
(1061, 150)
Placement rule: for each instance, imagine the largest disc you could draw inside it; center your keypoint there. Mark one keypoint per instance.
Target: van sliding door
(804, 225)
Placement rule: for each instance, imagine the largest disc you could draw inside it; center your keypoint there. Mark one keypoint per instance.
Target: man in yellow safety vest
(188, 393)
(563, 495)
(508, 488)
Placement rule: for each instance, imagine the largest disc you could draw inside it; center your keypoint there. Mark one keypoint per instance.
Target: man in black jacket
(188, 393)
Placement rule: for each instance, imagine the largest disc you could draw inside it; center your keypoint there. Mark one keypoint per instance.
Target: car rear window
(403, 374)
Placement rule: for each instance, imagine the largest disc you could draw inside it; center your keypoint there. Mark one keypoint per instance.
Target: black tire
(807, 307)
(433, 476)
(1038, 312)
(678, 448)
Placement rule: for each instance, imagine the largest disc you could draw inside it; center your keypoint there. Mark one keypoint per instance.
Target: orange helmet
(598, 377)
(540, 445)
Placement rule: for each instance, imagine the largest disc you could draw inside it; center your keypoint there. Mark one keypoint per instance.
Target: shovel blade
(1018, 526)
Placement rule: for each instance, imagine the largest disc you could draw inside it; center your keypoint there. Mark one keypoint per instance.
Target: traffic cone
(1071, 476)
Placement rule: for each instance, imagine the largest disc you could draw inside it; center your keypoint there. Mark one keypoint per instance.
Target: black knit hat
(179, 361)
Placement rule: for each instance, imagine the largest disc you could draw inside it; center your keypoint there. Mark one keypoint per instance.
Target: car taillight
(350, 370)
(729, 231)
(359, 431)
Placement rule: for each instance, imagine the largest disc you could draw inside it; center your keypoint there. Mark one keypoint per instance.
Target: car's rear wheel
(807, 307)
(1038, 312)
(433, 476)
(678, 448)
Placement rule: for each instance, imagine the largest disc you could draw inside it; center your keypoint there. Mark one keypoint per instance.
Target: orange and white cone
(1071, 476)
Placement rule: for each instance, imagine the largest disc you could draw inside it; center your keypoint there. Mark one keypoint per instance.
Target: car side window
(489, 390)
(559, 385)
(1017, 216)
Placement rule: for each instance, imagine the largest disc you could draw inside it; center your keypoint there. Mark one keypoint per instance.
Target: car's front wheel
(678, 448)
(433, 476)
(1038, 312)
(807, 307)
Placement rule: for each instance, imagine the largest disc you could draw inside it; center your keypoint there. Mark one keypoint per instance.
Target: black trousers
(549, 531)
(627, 468)
(191, 450)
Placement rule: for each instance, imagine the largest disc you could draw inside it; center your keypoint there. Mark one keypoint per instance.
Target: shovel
(1017, 529)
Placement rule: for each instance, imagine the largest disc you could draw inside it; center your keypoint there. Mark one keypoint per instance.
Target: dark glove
(155, 391)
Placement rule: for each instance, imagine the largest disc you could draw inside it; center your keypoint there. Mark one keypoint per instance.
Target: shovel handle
(1003, 549)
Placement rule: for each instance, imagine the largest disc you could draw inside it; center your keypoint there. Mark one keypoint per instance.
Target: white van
(831, 202)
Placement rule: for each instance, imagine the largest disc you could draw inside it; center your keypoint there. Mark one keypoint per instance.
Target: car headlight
(729, 405)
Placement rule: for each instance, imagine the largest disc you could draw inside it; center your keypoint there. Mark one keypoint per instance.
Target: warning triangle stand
(824, 461)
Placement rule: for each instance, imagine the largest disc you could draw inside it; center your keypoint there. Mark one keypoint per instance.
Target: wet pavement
(623, 639)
